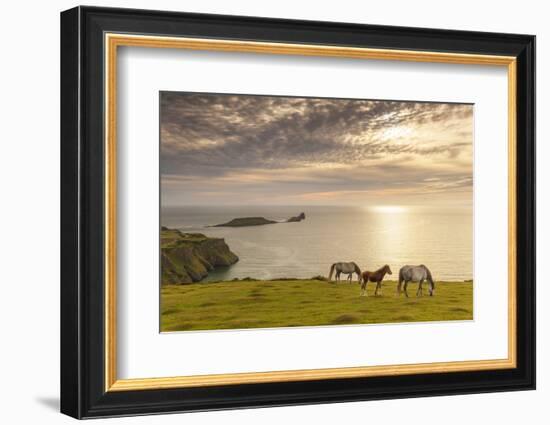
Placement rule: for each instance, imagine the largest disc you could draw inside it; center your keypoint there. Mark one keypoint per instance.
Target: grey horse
(346, 268)
(415, 274)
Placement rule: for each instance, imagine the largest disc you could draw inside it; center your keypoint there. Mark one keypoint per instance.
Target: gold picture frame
(114, 41)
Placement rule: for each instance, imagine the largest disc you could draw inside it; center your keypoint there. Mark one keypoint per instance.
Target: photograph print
(300, 211)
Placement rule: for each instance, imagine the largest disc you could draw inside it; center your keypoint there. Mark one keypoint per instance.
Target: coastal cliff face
(188, 257)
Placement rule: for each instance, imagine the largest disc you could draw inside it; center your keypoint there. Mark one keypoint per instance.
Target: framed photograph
(261, 212)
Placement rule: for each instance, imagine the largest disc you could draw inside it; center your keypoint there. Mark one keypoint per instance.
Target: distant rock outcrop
(296, 219)
(258, 221)
(188, 257)
(246, 221)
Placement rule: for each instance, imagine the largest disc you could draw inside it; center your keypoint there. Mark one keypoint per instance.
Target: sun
(389, 209)
(396, 132)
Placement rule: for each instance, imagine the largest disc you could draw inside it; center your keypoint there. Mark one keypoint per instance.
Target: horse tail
(364, 279)
(401, 278)
(331, 272)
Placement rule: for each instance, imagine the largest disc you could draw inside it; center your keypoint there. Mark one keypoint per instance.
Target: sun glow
(388, 209)
(396, 132)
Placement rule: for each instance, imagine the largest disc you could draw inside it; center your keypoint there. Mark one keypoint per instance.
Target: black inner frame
(82, 207)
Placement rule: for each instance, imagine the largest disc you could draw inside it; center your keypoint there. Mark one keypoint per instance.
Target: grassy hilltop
(285, 303)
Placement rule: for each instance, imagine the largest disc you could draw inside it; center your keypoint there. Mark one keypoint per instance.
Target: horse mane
(384, 267)
(357, 269)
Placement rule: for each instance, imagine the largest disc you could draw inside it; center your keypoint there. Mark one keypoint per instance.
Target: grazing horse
(415, 274)
(346, 268)
(376, 276)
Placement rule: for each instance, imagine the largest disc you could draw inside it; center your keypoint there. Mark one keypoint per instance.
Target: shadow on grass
(344, 319)
(459, 310)
(403, 319)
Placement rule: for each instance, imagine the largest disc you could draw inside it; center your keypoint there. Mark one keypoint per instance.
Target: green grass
(286, 303)
(170, 238)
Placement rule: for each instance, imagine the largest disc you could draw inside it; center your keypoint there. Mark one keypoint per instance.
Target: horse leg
(419, 290)
(405, 288)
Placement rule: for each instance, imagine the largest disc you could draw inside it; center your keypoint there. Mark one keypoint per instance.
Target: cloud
(258, 142)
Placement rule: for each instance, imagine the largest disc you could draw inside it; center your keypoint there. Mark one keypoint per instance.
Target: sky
(218, 149)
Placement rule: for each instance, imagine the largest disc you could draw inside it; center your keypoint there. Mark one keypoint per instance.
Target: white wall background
(29, 217)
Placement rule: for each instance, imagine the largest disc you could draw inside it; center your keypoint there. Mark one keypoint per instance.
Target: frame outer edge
(533, 126)
(80, 393)
(70, 346)
(529, 180)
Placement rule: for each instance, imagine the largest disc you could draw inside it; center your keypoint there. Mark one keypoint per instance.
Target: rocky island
(188, 257)
(296, 219)
(258, 221)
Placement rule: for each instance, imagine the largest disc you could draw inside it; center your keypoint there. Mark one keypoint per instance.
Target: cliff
(188, 257)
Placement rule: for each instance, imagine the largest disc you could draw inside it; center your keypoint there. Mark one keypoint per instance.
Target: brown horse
(376, 276)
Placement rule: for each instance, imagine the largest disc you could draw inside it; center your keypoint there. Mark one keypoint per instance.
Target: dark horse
(376, 276)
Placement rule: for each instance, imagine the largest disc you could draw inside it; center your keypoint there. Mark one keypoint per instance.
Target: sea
(440, 238)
